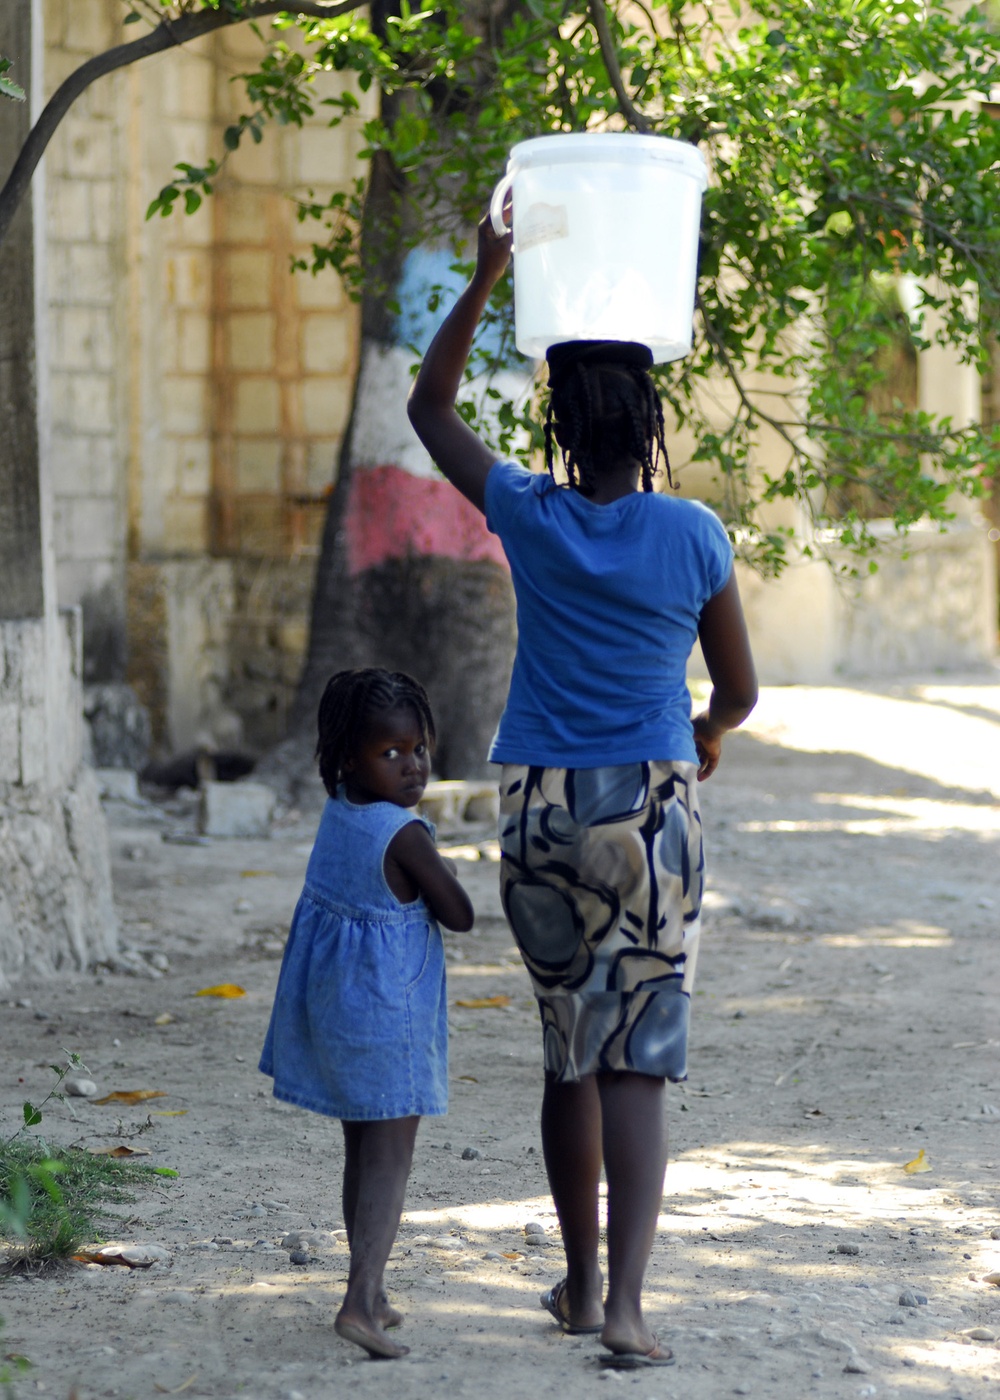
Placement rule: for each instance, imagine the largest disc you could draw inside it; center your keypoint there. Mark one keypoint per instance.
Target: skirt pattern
(601, 876)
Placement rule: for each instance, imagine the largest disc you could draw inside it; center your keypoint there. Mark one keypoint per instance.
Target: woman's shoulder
(509, 482)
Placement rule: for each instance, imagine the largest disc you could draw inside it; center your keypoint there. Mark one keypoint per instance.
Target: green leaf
(164, 1171)
(32, 1116)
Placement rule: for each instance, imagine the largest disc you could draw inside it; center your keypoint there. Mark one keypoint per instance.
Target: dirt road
(846, 1018)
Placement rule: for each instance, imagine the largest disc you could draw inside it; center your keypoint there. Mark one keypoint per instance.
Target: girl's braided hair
(605, 406)
(350, 701)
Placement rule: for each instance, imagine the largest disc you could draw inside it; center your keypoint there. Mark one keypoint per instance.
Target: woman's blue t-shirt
(608, 601)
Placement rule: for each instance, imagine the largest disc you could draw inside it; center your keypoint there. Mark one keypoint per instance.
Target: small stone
(339, 1235)
(446, 1242)
(493, 1256)
(158, 960)
(995, 1234)
(292, 1395)
(739, 1015)
(257, 1210)
(848, 1249)
(206, 1246)
(299, 1256)
(980, 1334)
(79, 1086)
(267, 1202)
(857, 1367)
(421, 1242)
(908, 1299)
(534, 1227)
(242, 906)
(909, 1361)
(742, 1390)
(308, 1239)
(471, 1154)
(867, 1390)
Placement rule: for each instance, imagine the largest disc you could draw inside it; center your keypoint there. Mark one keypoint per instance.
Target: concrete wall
(200, 391)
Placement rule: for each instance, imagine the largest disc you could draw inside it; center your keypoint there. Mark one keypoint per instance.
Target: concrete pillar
(55, 897)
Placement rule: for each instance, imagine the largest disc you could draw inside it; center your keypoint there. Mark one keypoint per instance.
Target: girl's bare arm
(416, 855)
(462, 456)
(722, 631)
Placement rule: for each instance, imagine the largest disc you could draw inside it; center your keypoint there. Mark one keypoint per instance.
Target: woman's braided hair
(350, 701)
(605, 406)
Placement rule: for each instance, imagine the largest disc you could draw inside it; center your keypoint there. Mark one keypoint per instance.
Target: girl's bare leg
(635, 1159)
(385, 1313)
(378, 1158)
(571, 1142)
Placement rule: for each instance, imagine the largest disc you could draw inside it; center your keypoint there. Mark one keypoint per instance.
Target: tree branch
(599, 14)
(170, 33)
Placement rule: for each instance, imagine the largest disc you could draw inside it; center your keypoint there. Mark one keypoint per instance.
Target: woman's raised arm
(462, 456)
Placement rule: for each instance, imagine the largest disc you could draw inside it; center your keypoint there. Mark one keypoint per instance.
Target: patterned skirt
(601, 877)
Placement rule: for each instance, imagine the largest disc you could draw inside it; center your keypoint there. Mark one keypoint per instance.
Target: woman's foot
(556, 1304)
(368, 1333)
(626, 1334)
(658, 1355)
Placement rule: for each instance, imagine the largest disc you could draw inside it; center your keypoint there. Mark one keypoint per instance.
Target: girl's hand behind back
(415, 856)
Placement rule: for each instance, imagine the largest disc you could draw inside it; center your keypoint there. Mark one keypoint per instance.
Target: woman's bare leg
(377, 1165)
(635, 1159)
(571, 1142)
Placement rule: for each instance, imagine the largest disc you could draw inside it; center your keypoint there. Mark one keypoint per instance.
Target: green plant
(53, 1198)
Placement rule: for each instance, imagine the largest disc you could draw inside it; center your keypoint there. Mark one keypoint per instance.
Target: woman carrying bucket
(602, 866)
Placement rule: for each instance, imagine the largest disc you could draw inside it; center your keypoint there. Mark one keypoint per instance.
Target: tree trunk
(408, 577)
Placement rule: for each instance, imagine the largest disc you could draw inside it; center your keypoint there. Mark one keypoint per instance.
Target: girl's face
(391, 763)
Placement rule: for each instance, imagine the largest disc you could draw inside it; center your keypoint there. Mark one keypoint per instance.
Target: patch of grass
(52, 1199)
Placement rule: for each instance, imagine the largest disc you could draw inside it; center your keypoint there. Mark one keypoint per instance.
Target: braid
(618, 409)
(349, 701)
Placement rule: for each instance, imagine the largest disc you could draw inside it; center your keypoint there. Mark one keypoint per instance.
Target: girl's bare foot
(366, 1332)
(386, 1315)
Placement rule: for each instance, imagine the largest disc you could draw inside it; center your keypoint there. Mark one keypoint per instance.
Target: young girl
(602, 865)
(359, 1026)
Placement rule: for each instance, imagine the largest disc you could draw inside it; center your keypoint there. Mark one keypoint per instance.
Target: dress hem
(350, 1115)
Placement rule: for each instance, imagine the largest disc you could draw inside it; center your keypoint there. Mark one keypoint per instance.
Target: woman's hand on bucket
(494, 251)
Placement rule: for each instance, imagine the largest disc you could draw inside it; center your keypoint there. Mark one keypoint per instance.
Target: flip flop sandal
(638, 1360)
(550, 1302)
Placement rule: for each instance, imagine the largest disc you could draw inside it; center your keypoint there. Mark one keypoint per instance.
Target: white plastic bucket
(605, 239)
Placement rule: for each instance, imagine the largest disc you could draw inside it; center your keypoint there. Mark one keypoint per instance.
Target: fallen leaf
(478, 1003)
(513, 1255)
(109, 1255)
(168, 1112)
(131, 1096)
(164, 1171)
(229, 990)
(255, 874)
(164, 1019)
(469, 1078)
(120, 1150)
(919, 1164)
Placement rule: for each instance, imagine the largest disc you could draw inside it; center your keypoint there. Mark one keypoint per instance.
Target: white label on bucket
(543, 223)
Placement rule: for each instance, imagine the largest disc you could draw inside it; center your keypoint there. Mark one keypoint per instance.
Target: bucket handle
(496, 205)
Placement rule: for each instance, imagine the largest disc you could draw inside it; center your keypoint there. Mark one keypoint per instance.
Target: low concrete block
(236, 809)
(119, 784)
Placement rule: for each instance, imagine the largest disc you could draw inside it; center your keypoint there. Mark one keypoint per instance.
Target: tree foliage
(851, 155)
